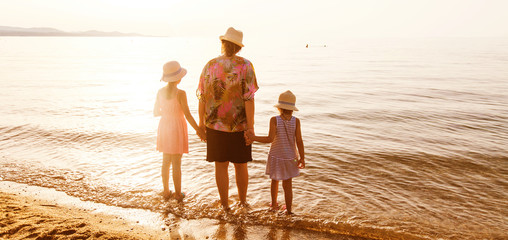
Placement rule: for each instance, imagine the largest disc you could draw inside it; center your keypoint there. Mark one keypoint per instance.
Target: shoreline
(24, 217)
(34, 212)
(31, 212)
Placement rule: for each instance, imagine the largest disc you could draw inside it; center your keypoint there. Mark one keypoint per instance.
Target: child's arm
(156, 107)
(299, 144)
(271, 133)
(182, 99)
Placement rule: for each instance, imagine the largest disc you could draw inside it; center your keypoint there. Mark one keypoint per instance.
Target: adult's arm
(249, 112)
(201, 111)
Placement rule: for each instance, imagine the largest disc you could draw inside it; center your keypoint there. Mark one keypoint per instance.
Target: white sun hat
(287, 101)
(172, 72)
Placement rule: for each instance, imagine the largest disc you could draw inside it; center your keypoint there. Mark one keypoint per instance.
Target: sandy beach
(25, 217)
(31, 212)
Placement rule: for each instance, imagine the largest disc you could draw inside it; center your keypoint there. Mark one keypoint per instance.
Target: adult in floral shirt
(226, 109)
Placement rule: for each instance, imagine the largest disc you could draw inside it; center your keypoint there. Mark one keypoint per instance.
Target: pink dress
(172, 135)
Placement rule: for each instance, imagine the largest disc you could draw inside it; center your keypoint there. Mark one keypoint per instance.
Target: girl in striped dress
(283, 160)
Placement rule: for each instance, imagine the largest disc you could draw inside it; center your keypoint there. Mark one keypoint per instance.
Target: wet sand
(30, 212)
(24, 217)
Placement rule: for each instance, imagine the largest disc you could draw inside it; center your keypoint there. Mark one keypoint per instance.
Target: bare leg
(274, 190)
(176, 160)
(242, 181)
(222, 180)
(288, 193)
(166, 164)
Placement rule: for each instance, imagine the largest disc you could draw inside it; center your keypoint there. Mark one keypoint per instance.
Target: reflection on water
(275, 234)
(404, 138)
(204, 228)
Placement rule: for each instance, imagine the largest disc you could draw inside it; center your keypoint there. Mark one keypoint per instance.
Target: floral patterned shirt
(224, 86)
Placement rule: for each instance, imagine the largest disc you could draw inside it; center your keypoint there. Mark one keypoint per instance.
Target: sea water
(404, 138)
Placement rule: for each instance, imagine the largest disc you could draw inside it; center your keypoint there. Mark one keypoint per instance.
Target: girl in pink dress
(284, 161)
(172, 138)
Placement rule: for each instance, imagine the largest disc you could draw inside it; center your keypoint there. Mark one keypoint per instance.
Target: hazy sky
(277, 19)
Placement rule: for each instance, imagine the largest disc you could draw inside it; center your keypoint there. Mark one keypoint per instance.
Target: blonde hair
(171, 85)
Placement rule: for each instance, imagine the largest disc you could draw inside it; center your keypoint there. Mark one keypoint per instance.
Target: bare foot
(225, 209)
(166, 195)
(273, 207)
(179, 197)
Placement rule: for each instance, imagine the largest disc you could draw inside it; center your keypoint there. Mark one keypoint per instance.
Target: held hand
(246, 137)
(201, 132)
(249, 135)
(301, 163)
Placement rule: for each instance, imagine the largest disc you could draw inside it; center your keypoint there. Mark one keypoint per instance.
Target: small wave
(30, 133)
(87, 188)
(388, 176)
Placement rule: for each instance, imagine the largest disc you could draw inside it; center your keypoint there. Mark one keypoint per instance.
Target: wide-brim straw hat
(234, 36)
(287, 101)
(172, 72)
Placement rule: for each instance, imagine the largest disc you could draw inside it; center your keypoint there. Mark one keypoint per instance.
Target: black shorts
(227, 147)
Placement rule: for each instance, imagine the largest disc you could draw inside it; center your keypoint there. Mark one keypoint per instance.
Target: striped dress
(282, 161)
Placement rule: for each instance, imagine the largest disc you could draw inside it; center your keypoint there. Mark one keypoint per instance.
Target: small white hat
(172, 72)
(287, 101)
(234, 36)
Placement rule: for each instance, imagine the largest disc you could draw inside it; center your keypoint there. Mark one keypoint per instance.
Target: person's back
(170, 108)
(226, 109)
(226, 84)
(283, 162)
(283, 151)
(172, 134)
(172, 138)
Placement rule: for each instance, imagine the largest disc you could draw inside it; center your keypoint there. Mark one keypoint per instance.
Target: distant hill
(42, 31)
